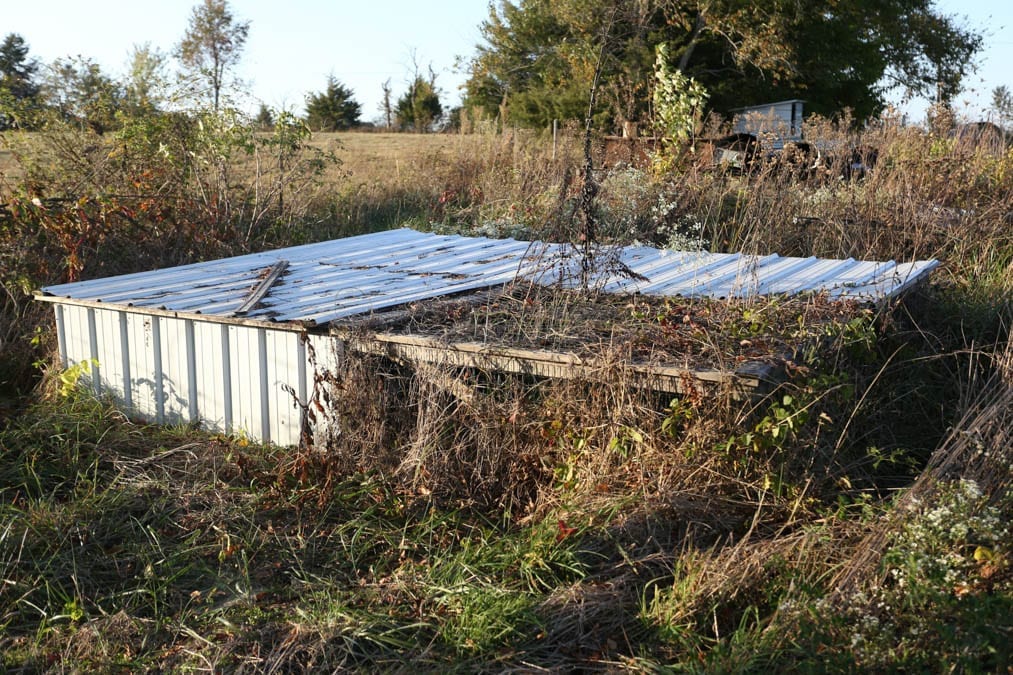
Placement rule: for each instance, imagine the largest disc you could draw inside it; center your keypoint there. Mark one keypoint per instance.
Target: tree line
(540, 59)
(77, 90)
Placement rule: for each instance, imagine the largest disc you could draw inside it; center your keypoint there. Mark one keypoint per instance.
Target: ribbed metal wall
(227, 378)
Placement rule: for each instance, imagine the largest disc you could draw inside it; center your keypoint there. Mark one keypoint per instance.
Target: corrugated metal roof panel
(345, 277)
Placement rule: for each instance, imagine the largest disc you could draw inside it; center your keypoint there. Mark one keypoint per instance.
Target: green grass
(194, 547)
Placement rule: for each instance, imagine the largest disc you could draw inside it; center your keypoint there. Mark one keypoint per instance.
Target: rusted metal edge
(258, 293)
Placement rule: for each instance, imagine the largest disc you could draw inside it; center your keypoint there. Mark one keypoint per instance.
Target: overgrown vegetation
(854, 519)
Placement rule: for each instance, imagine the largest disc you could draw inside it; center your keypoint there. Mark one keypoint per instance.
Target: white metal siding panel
(142, 364)
(78, 345)
(61, 334)
(323, 355)
(96, 372)
(244, 377)
(776, 271)
(226, 378)
(895, 279)
(126, 359)
(352, 276)
(210, 376)
(245, 380)
(110, 353)
(175, 371)
(284, 413)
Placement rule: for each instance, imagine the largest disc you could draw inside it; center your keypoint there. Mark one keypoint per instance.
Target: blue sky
(295, 44)
(994, 66)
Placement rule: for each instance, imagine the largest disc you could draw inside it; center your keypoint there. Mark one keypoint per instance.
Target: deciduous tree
(537, 58)
(387, 105)
(145, 79)
(213, 44)
(78, 91)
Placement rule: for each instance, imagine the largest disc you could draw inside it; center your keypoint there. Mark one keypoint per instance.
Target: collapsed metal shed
(235, 344)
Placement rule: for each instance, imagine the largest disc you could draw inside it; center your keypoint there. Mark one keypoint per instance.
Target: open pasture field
(376, 155)
(854, 518)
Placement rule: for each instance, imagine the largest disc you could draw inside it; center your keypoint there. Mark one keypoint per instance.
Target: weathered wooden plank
(562, 365)
(277, 269)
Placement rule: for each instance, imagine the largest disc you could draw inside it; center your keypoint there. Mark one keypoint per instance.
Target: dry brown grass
(694, 333)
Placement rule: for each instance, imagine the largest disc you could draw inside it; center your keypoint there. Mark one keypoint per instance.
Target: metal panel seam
(265, 404)
(191, 370)
(227, 378)
(96, 381)
(301, 376)
(156, 346)
(125, 359)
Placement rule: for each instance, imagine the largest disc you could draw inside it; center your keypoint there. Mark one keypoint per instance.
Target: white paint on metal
(156, 351)
(78, 343)
(142, 364)
(179, 371)
(108, 352)
(194, 363)
(93, 351)
(61, 334)
(125, 352)
(191, 370)
(728, 275)
(264, 393)
(226, 375)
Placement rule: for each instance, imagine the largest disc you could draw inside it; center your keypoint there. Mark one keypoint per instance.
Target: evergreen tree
(18, 89)
(265, 118)
(1002, 105)
(419, 108)
(333, 109)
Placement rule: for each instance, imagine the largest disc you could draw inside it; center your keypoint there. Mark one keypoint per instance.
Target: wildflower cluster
(626, 196)
(950, 543)
(944, 601)
(686, 234)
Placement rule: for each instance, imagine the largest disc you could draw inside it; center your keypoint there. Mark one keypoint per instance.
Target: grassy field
(370, 156)
(857, 519)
